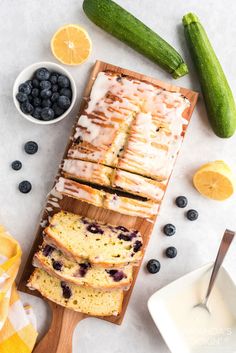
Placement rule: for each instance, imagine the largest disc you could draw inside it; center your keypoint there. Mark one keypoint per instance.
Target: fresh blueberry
(31, 147)
(171, 252)
(94, 228)
(192, 215)
(55, 88)
(124, 237)
(25, 186)
(27, 108)
(45, 93)
(42, 74)
(55, 97)
(153, 266)
(30, 99)
(53, 78)
(169, 229)
(63, 81)
(21, 97)
(66, 92)
(30, 83)
(57, 110)
(47, 250)
(35, 83)
(57, 265)
(45, 85)
(66, 290)
(123, 229)
(36, 102)
(35, 92)
(46, 103)
(137, 246)
(63, 102)
(16, 165)
(37, 113)
(47, 114)
(181, 201)
(25, 88)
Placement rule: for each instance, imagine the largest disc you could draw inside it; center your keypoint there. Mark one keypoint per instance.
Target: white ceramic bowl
(163, 312)
(27, 74)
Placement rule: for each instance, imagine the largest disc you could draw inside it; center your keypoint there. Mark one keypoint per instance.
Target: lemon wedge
(215, 180)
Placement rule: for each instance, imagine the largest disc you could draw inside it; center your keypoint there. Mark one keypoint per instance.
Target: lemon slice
(215, 180)
(71, 45)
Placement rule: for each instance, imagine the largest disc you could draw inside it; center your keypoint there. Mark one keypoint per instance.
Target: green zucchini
(124, 26)
(217, 94)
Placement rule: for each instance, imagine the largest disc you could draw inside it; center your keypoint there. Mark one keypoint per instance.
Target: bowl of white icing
(186, 329)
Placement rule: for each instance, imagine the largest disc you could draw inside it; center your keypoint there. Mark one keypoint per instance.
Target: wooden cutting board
(59, 337)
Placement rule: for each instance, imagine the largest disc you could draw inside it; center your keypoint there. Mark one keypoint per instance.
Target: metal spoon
(224, 246)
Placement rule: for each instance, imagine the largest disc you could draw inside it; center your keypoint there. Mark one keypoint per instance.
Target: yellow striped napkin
(17, 322)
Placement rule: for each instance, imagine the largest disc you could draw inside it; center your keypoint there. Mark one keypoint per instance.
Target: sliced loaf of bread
(95, 242)
(85, 300)
(83, 274)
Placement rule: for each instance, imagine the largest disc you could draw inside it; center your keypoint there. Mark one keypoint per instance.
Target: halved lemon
(215, 180)
(71, 45)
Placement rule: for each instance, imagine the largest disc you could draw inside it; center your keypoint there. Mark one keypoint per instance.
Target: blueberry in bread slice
(97, 243)
(83, 299)
(56, 264)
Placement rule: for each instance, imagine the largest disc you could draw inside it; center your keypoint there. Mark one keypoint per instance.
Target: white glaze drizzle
(146, 107)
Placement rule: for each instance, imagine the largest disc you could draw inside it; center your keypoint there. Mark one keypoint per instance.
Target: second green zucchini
(216, 91)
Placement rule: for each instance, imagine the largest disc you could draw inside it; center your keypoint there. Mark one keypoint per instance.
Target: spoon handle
(224, 247)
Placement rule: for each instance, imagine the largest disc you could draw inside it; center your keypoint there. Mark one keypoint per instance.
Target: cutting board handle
(58, 339)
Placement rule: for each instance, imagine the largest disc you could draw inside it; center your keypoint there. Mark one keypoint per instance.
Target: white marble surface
(25, 31)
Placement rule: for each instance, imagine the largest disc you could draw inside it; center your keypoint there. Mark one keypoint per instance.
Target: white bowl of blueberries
(44, 93)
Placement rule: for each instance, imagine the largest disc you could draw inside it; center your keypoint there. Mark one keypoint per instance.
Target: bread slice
(83, 274)
(113, 178)
(95, 242)
(113, 202)
(132, 207)
(138, 185)
(149, 150)
(85, 300)
(86, 171)
(80, 192)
